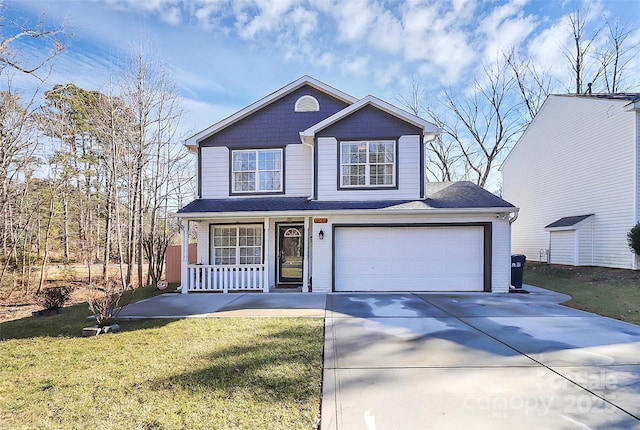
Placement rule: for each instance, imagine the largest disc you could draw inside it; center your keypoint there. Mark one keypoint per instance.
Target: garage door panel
(409, 258)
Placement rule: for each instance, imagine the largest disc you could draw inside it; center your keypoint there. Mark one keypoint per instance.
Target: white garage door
(409, 258)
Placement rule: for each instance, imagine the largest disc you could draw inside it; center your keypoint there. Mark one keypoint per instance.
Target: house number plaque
(320, 220)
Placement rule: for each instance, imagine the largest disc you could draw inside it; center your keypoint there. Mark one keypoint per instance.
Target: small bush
(106, 301)
(53, 297)
(633, 239)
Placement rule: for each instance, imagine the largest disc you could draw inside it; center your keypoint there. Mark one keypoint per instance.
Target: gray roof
(632, 97)
(454, 195)
(568, 221)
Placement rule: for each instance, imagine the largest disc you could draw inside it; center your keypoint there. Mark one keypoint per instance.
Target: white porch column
(305, 260)
(184, 270)
(265, 240)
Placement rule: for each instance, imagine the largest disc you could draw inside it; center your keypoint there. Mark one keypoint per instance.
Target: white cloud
(437, 38)
(387, 34)
(354, 18)
(504, 28)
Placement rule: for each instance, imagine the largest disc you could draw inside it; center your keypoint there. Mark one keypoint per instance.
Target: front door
(290, 253)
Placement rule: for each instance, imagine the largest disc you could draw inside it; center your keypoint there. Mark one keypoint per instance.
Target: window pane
(244, 181)
(269, 160)
(269, 181)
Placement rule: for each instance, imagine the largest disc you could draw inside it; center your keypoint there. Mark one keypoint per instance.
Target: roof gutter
(500, 212)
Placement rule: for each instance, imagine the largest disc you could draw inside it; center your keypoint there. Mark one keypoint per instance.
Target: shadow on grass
(281, 366)
(72, 319)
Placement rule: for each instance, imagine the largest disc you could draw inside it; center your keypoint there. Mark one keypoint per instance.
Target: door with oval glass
(290, 253)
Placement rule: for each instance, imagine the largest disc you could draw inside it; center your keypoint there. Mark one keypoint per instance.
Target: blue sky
(225, 55)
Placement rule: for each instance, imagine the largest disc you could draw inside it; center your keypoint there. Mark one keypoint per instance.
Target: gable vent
(307, 104)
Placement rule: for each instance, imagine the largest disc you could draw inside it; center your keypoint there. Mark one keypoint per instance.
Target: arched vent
(307, 104)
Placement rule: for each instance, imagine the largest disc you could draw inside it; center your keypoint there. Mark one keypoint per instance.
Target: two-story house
(575, 174)
(312, 188)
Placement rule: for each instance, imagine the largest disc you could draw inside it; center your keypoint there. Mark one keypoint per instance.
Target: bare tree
(154, 159)
(441, 155)
(533, 86)
(616, 56)
(18, 161)
(52, 41)
(484, 123)
(583, 50)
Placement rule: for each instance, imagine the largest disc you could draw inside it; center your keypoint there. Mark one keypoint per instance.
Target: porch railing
(225, 278)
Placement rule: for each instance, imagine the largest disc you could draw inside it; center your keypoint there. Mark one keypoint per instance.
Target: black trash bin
(517, 269)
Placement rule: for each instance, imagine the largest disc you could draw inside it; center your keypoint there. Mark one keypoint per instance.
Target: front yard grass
(613, 293)
(214, 373)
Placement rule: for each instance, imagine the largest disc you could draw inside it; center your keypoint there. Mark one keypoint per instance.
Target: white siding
(585, 244)
(298, 170)
(215, 172)
(203, 242)
(408, 165)
(501, 255)
(636, 259)
(563, 247)
(576, 158)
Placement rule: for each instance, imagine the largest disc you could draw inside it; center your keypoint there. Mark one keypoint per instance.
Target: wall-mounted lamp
(321, 235)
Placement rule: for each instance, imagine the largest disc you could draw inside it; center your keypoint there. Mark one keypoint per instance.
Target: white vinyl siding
(215, 172)
(585, 244)
(577, 157)
(562, 247)
(408, 174)
(298, 170)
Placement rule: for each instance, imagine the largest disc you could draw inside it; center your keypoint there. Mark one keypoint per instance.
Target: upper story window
(307, 104)
(256, 171)
(368, 164)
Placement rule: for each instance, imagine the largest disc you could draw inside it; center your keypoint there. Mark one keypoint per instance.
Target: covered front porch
(247, 255)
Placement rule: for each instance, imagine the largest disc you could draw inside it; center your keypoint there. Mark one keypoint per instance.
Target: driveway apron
(476, 361)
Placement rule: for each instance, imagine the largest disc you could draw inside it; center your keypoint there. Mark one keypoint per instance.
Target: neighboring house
(574, 176)
(312, 188)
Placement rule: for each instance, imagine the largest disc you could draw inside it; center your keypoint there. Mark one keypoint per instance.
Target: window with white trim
(368, 163)
(256, 170)
(232, 245)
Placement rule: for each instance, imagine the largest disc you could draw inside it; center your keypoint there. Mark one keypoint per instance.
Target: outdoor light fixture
(321, 235)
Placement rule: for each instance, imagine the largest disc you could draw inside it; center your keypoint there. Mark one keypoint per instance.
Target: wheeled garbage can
(517, 269)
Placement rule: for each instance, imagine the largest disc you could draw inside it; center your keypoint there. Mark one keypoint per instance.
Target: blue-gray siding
(367, 123)
(276, 124)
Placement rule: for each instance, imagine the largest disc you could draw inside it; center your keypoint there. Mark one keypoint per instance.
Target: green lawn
(610, 292)
(217, 373)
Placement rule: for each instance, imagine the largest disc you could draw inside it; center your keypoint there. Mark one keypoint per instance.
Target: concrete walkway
(452, 361)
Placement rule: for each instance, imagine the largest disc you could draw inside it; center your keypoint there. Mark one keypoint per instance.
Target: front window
(257, 170)
(237, 245)
(368, 163)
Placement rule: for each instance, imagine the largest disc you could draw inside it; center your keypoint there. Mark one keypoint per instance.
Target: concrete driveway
(476, 361)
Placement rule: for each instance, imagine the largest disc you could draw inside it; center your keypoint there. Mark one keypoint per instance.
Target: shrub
(106, 302)
(633, 238)
(53, 297)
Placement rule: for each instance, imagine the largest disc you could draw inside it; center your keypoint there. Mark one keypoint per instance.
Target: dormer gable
(283, 113)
